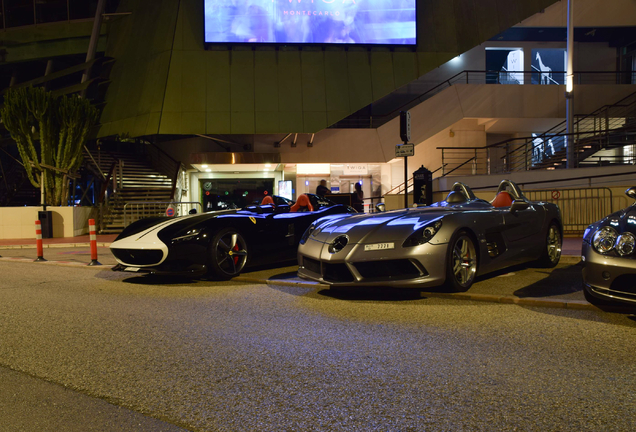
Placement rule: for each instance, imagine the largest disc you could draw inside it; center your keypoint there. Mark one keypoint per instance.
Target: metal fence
(135, 210)
(579, 207)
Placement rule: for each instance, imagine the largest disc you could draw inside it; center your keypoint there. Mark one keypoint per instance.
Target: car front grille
(138, 256)
(625, 284)
(337, 273)
(312, 265)
(389, 270)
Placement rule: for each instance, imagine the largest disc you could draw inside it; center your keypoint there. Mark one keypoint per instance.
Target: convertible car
(219, 243)
(609, 261)
(449, 242)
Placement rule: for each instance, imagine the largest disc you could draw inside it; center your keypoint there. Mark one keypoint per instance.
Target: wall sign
(355, 169)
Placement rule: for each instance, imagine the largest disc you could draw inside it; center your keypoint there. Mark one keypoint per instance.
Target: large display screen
(368, 22)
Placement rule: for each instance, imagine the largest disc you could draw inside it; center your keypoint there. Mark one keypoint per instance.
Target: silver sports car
(449, 242)
(609, 258)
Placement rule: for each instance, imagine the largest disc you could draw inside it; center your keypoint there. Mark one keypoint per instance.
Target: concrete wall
(541, 104)
(19, 222)
(587, 13)
(166, 81)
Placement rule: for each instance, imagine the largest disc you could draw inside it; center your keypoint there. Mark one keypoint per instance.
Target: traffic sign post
(170, 211)
(406, 149)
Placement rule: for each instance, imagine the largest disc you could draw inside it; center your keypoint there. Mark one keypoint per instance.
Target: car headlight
(605, 239)
(626, 244)
(423, 235)
(307, 233)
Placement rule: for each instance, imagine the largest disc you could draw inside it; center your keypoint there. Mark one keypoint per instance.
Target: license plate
(132, 269)
(379, 246)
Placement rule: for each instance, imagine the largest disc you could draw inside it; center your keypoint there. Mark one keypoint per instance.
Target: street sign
(404, 150)
(405, 126)
(170, 211)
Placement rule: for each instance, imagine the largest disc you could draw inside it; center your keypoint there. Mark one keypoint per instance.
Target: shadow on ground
(558, 281)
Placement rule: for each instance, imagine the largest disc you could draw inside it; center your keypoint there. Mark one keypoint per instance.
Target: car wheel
(228, 254)
(552, 248)
(461, 262)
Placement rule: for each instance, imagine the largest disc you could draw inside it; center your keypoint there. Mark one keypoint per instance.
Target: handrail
(94, 162)
(382, 118)
(107, 181)
(163, 152)
(459, 166)
(579, 119)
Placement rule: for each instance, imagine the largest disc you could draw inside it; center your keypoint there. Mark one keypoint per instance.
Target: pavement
(75, 252)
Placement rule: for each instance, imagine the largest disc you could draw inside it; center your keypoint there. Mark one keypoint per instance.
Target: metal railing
(376, 114)
(608, 127)
(135, 210)
(579, 207)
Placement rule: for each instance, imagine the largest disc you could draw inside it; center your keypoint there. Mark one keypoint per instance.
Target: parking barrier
(93, 240)
(38, 241)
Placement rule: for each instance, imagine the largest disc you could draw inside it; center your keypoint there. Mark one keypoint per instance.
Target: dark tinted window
(18, 12)
(51, 11)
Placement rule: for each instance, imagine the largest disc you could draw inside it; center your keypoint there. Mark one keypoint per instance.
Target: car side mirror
(380, 207)
(518, 205)
(193, 211)
(631, 192)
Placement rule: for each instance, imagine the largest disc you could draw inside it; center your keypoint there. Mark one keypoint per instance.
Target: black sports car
(448, 242)
(609, 258)
(219, 243)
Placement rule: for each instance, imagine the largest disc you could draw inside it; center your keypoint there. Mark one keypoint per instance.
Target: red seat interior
(267, 200)
(503, 199)
(303, 201)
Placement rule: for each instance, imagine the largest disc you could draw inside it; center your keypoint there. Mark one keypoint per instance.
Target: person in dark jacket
(322, 188)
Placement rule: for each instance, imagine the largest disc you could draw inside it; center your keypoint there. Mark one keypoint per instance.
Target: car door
(521, 227)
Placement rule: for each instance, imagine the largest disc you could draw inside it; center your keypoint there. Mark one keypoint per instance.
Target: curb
(53, 245)
(58, 263)
(491, 298)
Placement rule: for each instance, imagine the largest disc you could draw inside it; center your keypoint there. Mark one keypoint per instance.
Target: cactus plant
(50, 133)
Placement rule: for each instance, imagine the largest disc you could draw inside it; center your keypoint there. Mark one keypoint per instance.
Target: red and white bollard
(38, 241)
(93, 239)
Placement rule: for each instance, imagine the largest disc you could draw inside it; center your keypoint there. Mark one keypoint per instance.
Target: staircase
(138, 182)
(607, 128)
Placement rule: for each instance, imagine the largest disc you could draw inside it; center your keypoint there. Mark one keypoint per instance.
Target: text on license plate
(379, 246)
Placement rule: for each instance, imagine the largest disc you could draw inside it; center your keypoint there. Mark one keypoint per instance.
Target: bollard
(38, 241)
(93, 238)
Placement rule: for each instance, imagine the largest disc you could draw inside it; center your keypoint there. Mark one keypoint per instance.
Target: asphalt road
(87, 349)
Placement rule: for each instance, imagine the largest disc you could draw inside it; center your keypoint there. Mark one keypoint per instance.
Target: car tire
(228, 254)
(461, 262)
(551, 253)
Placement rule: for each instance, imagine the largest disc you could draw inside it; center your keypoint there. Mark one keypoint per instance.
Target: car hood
(622, 220)
(389, 226)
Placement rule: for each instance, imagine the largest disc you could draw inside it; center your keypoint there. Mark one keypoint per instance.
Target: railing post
(507, 160)
(443, 170)
(488, 161)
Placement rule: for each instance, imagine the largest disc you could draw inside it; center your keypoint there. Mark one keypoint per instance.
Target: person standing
(322, 188)
(358, 198)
